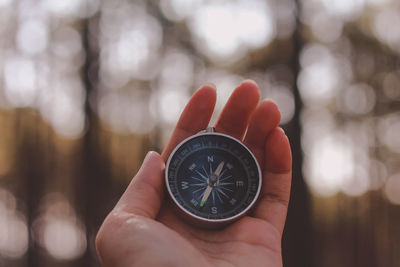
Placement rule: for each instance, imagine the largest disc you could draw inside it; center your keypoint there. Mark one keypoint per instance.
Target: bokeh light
(357, 99)
(32, 37)
(177, 10)
(385, 28)
(284, 98)
(331, 164)
(4, 3)
(388, 131)
(127, 112)
(392, 189)
(323, 74)
(129, 49)
(66, 42)
(391, 85)
(13, 228)
(225, 31)
(326, 28)
(378, 173)
(61, 104)
(20, 81)
(346, 9)
(58, 230)
(169, 112)
(60, 8)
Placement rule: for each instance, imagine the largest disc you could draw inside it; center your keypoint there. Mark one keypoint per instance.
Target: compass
(212, 178)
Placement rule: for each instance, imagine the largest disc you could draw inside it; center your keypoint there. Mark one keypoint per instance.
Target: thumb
(144, 194)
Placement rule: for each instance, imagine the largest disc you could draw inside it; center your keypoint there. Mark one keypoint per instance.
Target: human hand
(144, 230)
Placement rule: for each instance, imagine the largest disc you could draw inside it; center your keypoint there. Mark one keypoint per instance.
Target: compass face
(213, 177)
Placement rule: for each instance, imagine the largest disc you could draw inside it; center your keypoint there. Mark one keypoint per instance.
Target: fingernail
(283, 131)
(148, 156)
(152, 155)
(211, 85)
(250, 81)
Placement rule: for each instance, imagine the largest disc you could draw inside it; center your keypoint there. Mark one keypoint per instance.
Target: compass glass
(213, 177)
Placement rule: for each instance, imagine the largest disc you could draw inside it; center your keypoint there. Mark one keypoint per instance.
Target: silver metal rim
(201, 218)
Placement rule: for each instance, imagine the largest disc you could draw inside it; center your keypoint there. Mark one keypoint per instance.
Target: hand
(143, 229)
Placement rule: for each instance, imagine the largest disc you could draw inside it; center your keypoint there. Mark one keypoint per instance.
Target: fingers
(195, 117)
(144, 194)
(278, 156)
(236, 114)
(265, 118)
(277, 176)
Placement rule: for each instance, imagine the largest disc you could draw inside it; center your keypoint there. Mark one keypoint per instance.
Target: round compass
(212, 178)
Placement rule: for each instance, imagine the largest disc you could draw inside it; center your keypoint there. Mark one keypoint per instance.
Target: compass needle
(219, 169)
(205, 196)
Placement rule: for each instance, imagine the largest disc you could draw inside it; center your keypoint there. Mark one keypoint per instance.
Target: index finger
(195, 117)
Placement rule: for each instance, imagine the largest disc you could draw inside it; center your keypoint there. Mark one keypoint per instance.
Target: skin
(143, 229)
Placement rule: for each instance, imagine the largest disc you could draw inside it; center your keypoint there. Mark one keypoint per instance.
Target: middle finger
(236, 114)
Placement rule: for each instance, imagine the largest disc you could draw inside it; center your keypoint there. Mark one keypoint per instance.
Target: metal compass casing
(212, 178)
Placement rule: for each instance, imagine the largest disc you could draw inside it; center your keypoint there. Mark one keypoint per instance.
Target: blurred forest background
(87, 87)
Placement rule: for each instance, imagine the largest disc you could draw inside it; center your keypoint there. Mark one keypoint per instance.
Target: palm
(144, 230)
(240, 244)
(169, 240)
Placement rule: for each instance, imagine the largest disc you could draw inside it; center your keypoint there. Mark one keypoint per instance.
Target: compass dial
(213, 177)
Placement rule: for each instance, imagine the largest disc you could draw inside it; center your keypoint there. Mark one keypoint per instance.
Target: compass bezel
(219, 220)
